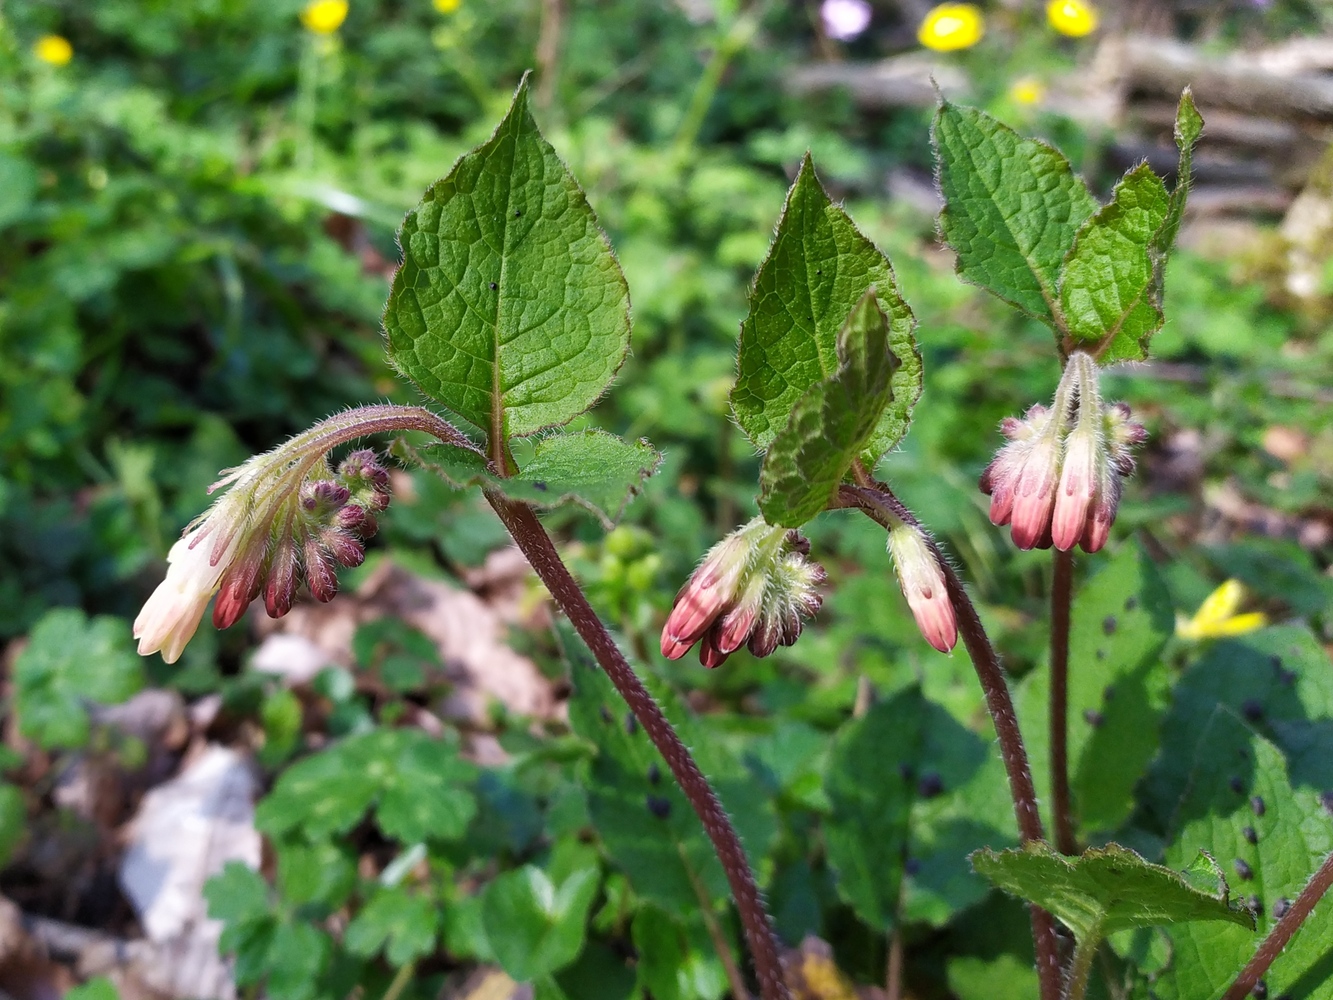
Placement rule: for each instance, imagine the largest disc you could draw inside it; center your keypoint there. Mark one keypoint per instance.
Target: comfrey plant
(510, 311)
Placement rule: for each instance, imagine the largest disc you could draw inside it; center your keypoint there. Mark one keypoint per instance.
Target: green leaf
(907, 781)
(237, 895)
(1189, 126)
(402, 655)
(323, 873)
(418, 785)
(510, 308)
(829, 426)
(297, 954)
(1280, 677)
(70, 661)
(816, 271)
(1119, 689)
(401, 923)
(13, 820)
(1242, 807)
(593, 469)
(534, 926)
(676, 960)
(97, 988)
(1104, 890)
(1011, 208)
(1111, 279)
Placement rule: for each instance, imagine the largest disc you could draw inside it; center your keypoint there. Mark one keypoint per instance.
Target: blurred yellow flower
(952, 26)
(1028, 90)
(324, 17)
(53, 49)
(447, 6)
(1217, 618)
(1075, 18)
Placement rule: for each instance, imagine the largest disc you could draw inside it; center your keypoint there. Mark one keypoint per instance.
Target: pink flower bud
(280, 588)
(344, 548)
(1078, 484)
(1034, 493)
(710, 655)
(922, 583)
(351, 517)
(321, 576)
(240, 585)
(706, 595)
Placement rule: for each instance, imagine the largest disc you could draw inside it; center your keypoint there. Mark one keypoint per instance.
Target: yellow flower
(952, 26)
(1075, 18)
(324, 17)
(53, 49)
(447, 6)
(1028, 90)
(1217, 618)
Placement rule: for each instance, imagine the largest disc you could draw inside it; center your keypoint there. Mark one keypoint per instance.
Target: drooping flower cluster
(1058, 480)
(286, 517)
(754, 588)
(922, 582)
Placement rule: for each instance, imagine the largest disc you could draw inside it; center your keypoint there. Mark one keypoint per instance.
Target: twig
(540, 551)
(1281, 934)
(1062, 586)
(878, 501)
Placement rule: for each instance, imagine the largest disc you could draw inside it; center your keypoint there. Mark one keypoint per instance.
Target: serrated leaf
(536, 927)
(1241, 807)
(72, 661)
(1011, 208)
(593, 469)
(818, 268)
(1104, 890)
(829, 426)
(401, 923)
(509, 308)
(1119, 689)
(907, 782)
(1111, 278)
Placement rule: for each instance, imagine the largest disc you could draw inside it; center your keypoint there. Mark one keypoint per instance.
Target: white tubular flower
(172, 614)
(922, 583)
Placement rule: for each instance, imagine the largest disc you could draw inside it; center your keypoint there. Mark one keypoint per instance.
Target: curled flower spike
(754, 588)
(922, 583)
(285, 516)
(1058, 484)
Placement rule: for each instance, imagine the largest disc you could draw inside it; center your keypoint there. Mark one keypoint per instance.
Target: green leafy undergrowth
(72, 662)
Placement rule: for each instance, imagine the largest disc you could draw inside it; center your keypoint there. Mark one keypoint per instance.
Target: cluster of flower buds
(285, 517)
(1058, 480)
(922, 582)
(754, 588)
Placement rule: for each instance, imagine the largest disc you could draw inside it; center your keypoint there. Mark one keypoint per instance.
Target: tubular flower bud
(1059, 479)
(284, 516)
(753, 588)
(922, 583)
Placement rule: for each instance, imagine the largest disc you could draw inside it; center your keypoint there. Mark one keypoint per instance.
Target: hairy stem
(877, 501)
(1081, 968)
(1062, 586)
(540, 551)
(1281, 935)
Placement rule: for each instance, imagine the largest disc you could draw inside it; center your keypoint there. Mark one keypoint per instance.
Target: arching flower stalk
(754, 588)
(286, 517)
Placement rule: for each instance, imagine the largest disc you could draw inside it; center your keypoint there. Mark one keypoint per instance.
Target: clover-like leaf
(592, 469)
(534, 925)
(402, 923)
(510, 307)
(1011, 208)
(72, 661)
(829, 426)
(1105, 890)
(816, 271)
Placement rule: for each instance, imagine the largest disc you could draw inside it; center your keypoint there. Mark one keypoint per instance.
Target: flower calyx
(1058, 481)
(755, 588)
